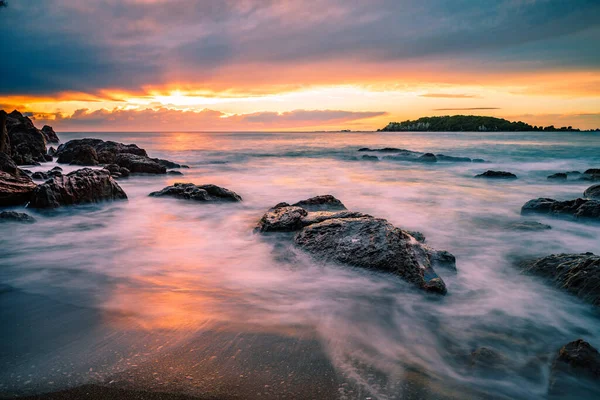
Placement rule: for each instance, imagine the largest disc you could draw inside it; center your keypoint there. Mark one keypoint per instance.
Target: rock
(592, 171)
(78, 187)
(106, 152)
(561, 176)
(139, 164)
(321, 203)
(387, 150)
(51, 151)
(168, 164)
(578, 208)
(204, 193)
(4, 139)
(367, 157)
(578, 274)
(478, 160)
(593, 192)
(7, 164)
(497, 175)
(576, 371)
(172, 172)
(529, 226)
(442, 258)
(49, 134)
(13, 216)
(427, 157)
(419, 237)
(487, 359)
(28, 145)
(442, 157)
(15, 189)
(117, 171)
(84, 155)
(337, 235)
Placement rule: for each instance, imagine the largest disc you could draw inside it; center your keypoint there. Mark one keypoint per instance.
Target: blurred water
(88, 293)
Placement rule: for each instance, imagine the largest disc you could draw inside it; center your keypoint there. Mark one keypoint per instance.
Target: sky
(253, 65)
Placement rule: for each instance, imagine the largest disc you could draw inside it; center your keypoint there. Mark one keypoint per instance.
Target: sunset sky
(186, 65)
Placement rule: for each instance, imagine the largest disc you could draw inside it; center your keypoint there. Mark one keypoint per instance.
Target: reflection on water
(170, 295)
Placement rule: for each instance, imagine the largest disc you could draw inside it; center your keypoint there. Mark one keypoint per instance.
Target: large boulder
(203, 193)
(355, 239)
(585, 209)
(139, 164)
(593, 192)
(28, 145)
(321, 203)
(49, 134)
(13, 216)
(578, 274)
(78, 187)
(7, 164)
(497, 175)
(15, 188)
(575, 372)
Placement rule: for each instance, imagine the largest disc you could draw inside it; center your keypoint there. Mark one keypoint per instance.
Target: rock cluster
(395, 154)
(582, 209)
(497, 175)
(203, 193)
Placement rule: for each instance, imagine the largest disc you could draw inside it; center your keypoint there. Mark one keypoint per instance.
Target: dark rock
(427, 157)
(15, 189)
(28, 145)
(573, 173)
(78, 187)
(139, 164)
(282, 218)
(117, 171)
(106, 152)
(4, 139)
(593, 192)
(592, 171)
(168, 164)
(419, 237)
(40, 175)
(387, 150)
(560, 176)
(497, 175)
(13, 216)
(578, 274)
(49, 134)
(367, 157)
(487, 359)
(7, 164)
(578, 208)
(529, 226)
(442, 157)
(576, 371)
(478, 160)
(51, 151)
(321, 203)
(172, 172)
(56, 171)
(84, 155)
(442, 258)
(204, 193)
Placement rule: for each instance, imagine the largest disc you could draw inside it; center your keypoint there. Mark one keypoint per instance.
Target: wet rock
(576, 372)
(485, 358)
(321, 203)
(203, 193)
(172, 172)
(419, 237)
(28, 145)
(139, 164)
(78, 187)
(56, 171)
(355, 239)
(561, 176)
(387, 150)
(7, 164)
(15, 189)
(428, 158)
(442, 157)
(592, 171)
(442, 258)
(4, 139)
(367, 157)
(497, 175)
(593, 192)
(578, 274)
(116, 171)
(578, 208)
(13, 216)
(529, 226)
(84, 155)
(49, 134)
(478, 160)
(51, 151)
(168, 164)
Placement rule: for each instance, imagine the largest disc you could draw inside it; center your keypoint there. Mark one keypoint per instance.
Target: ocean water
(168, 295)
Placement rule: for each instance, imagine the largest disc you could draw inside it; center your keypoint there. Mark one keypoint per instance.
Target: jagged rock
(578, 274)
(427, 157)
(7, 164)
(578, 208)
(337, 235)
(49, 134)
(117, 171)
(204, 193)
(13, 216)
(15, 189)
(560, 176)
(106, 152)
(4, 139)
(369, 158)
(139, 164)
(576, 372)
(78, 187)
(28, 145)
(321, 203)
(593, 192)
(497, 175)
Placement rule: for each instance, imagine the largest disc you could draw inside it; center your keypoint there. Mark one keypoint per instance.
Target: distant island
(469, 123)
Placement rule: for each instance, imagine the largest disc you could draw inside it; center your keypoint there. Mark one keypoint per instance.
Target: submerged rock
(497, 175)
(428, 158)
(173, 172)
(578, 208)
(442, 157)
(578, 274)
(355, 239)
(576, 371)
(78, 187)
(529, 226)
(168, 164)
(15, 188)
(13, 216)
(369, 158)
(593, 192)
(560, 176)
(484, 358)
(204, 193)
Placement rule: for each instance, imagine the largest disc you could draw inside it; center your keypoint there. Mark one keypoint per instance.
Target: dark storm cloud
(62, 45)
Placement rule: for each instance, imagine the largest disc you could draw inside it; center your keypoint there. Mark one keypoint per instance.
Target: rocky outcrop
(168, 164)
(27, 143)
(203, 193)
(497, 175)
(591, 175)
(139, 164)
(117, 171)
(49, 134)
(13, 216)
(56, 171)
(560, 176)
(585, 209)
(355, 239)
(575, 372)
(578, 274)
(78, 151)
(4, 140)
(593, 192)
(78, 187)
(15, 189)
(7, 164)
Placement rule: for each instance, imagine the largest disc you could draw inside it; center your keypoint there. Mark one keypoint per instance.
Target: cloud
(164, 119)
(51, 46)
(466, 109)
(449, 95)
